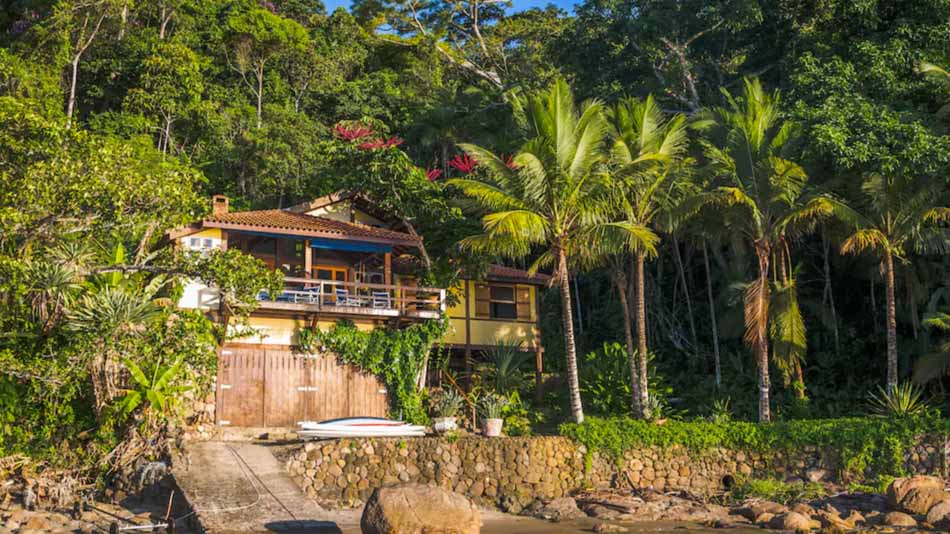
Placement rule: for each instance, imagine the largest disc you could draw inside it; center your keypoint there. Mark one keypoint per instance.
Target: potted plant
(446, 408)
(491, 406)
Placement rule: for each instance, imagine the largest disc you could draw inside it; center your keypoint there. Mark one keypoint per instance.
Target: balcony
(349, 298)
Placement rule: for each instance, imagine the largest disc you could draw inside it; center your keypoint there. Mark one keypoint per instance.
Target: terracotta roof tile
(286, 221)
(510, 273)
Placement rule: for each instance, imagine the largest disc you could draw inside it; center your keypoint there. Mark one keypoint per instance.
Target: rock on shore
(419, 509)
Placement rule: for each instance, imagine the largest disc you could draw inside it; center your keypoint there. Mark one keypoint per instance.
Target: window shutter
(482, 300)
(524, 303)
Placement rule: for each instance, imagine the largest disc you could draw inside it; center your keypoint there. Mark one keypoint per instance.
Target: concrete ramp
(241, 487)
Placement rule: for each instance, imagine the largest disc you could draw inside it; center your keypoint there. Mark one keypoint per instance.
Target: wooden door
(241, 387)
(285, 388)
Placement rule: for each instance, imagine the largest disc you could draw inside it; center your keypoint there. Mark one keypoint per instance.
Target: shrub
(876, 444)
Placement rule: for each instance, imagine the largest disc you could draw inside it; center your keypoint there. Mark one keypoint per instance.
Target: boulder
(921, 500)
(417, 509)
(791, 521)
(816, 474)
(899, 519)
(900, 487)
(559, 509)
(803, 509)
(939, 514)
(752, 511)
(36, 523)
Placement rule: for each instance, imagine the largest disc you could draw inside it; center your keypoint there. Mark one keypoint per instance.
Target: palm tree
(747, 145)
(898, 213)
(551, 195)
(645, 149)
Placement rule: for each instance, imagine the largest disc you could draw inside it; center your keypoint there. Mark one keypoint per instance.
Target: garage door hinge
(308, 388)
(225, 386)
(223, 422)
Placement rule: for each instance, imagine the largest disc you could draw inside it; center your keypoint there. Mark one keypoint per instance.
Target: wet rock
(607, 527)
(899, 488)
(417, 509)
(899, 519)
(791, 521)
(921, 500)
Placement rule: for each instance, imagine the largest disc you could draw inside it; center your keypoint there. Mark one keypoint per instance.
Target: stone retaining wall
(510, 473)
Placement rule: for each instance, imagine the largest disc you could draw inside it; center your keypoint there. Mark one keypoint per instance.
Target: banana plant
(154, 389)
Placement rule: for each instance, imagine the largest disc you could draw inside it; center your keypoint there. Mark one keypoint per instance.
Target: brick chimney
(219, 205)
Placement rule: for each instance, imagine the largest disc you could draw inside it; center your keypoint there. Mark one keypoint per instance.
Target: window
(500, 301)
(502, 304)
(329, 273)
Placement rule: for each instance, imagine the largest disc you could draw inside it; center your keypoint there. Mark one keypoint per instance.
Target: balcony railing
(305, 294)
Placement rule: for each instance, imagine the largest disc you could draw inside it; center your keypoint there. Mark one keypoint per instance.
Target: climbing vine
(866, 445)
(395, 355)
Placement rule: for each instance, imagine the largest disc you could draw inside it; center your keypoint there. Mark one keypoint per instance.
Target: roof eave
(310, 233)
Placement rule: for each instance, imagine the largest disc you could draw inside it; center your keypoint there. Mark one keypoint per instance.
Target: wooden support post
(468, 337)
(388, 268)
(224, 239)
(307, 260)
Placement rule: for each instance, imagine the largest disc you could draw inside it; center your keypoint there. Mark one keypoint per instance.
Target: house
(342, 259)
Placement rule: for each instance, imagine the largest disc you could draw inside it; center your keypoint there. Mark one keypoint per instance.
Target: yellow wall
(281, 331)
(488, 331)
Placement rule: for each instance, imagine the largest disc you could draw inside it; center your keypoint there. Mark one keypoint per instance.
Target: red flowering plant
(352, 131)
(433, 174)
(463, 163)
(509, 161)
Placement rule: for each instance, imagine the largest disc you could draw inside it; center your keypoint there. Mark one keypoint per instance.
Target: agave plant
(904, 400)
(449, 403)
(504, 370)
(491, 406)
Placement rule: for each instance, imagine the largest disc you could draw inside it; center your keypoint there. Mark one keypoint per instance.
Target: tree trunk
(166, 18)
(891, 322)
(577, 306)
(761, 333)
(260, 94)
(620, 279)
(71, 105)
(574, 389)
(642, 336)
(829, 295)
(712, 317)
(689, 304)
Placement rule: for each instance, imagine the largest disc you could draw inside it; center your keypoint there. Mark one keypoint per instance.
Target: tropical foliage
(712, 161)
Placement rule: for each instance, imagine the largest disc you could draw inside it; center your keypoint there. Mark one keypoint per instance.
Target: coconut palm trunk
(891, 322)
(570, 349)
(641, 306)
(712, 317)
(620, 280)
(756, 318)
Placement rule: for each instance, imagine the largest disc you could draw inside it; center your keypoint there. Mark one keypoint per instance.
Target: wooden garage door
(274, 387)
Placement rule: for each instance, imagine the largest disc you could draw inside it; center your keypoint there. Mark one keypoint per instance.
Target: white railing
(358, 297)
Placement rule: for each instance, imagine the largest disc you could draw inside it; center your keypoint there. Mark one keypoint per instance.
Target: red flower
(352, 132)
(372, 144)
(509, 161)
(392, 141)
(433, 174)
(463, 163)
